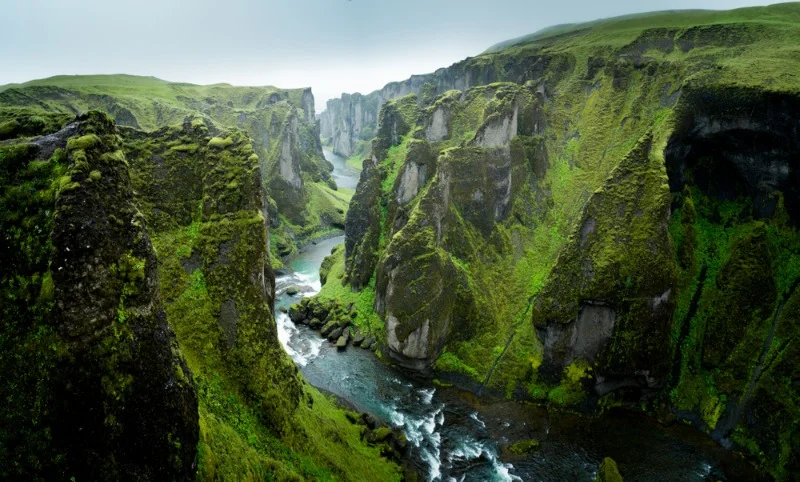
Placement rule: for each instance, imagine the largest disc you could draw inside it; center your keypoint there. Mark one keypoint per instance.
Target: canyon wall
(613, 224)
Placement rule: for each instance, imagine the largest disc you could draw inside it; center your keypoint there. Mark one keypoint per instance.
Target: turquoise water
(344, 175)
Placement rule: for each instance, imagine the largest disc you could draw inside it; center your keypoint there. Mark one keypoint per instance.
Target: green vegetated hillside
(611, 218)
(302, 198)
(138, 340)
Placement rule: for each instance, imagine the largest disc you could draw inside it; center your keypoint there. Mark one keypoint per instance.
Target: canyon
(592, 229)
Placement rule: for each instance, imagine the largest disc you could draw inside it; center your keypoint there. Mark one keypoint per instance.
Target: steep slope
(93, 380)
(588, 234)
(280, 122)
(96, 381)
(201, 193)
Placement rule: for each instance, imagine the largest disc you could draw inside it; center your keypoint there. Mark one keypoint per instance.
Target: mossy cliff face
(733, 158)
(608, 299)
(280, 122)
(204, 199)
(450, 175)
(97, 386)
(201, 191)
(619, 225)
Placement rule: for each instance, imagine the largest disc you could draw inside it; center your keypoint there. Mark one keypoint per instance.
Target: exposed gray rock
(227, 322)
(498, 132)
(288, 163)
(438, 130)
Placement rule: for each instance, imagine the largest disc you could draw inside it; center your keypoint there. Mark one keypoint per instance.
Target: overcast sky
(334, 46)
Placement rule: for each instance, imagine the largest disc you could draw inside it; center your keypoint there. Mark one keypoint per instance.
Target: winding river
(456, 436)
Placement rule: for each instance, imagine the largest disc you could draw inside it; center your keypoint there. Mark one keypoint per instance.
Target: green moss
(334, 288)
(449, 362)
(608, 471)
(83, 142)
(523, 446)
(220, 143)
(567, 394)
(30, 349)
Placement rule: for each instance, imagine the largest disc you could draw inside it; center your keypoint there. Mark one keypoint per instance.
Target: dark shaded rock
(315, 323)
(368, 420)
(292, 290)
(297, 313)
(335, 334)
(227, 322)
(120, 384)
(329, 328)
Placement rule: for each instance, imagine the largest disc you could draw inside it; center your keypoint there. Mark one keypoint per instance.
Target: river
(456, 436)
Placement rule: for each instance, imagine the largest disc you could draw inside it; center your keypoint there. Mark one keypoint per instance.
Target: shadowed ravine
(456, 436)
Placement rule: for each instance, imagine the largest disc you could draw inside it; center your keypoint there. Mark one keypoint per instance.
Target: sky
(333, 46)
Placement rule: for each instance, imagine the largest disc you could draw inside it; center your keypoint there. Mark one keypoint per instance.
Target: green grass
(355, 161)
(143, 95)
(619, 29)
(367, 320)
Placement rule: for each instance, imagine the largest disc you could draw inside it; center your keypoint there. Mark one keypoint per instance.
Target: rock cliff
(96, 386)
(115, 238)
(280, 122)
(585, 234)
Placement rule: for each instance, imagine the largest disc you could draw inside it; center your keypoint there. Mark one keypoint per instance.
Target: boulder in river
(366, 343)
(341, 343)
(608, 471)
(297, 313)
(292, 290)
(315, 323)
(335, 334)
(328, 328)
(523, 447)
(357, 337)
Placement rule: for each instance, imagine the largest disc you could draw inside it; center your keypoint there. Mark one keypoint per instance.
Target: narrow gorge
(574, 256)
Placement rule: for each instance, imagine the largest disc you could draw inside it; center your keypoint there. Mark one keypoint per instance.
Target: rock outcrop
(222, 266)
(112, 397)
(349, 123)
(113, 238)
(439, 205)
